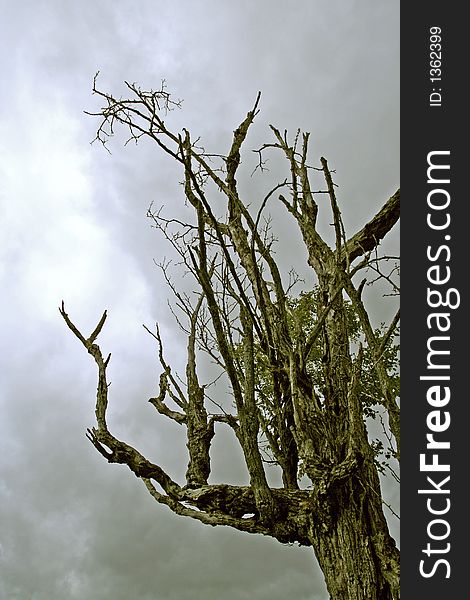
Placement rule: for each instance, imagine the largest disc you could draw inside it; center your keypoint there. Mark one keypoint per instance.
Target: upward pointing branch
(101, 438)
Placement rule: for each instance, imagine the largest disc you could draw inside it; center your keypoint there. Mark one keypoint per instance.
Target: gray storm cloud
(73, 227)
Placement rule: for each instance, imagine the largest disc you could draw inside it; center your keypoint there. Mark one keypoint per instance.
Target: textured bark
(358, 561)
(294, 380)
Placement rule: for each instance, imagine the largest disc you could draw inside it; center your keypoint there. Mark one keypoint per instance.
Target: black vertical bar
(434, 297)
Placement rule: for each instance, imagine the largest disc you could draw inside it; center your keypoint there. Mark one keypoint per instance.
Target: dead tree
(293, 392)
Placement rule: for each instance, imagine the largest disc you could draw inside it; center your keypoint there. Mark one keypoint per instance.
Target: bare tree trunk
(358, 558)
(349, 533)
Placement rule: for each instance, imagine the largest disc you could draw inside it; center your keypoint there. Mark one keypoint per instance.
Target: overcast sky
(73, 227)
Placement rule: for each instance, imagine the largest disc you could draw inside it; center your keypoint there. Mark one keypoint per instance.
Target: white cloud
(54, 244)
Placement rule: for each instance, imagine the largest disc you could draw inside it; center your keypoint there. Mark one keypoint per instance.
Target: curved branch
(119, 452)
